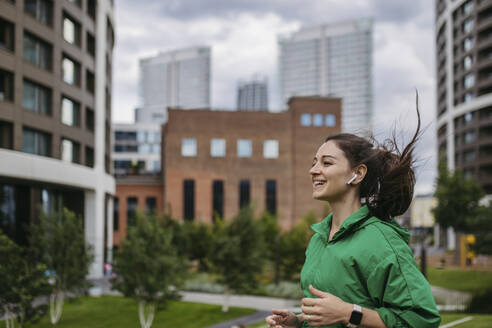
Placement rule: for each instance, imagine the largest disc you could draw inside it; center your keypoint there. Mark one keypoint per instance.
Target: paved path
(246, 320)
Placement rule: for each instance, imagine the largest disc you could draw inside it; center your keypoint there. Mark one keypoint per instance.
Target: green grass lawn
(114, 311)
(479, 320)
(462, 280)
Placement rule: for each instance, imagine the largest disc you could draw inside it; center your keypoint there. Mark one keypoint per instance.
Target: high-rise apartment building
(55, 114)
(178, 79)
(136, 149)
(252, 95)
(464, 87)
(331, 60)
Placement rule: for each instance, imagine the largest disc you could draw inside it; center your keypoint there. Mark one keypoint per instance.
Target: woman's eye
(326, 163)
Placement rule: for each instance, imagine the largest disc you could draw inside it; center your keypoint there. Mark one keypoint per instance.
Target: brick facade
(297, 145)
(139, 187)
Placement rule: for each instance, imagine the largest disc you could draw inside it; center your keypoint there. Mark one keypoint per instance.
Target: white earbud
(352, 179)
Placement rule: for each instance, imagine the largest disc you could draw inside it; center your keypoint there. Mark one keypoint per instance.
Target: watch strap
(355, 317)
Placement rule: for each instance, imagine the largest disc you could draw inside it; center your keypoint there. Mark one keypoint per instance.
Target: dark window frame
(189, 200)
(244, 193)
(217, 199)
(131, 211)
(116, 214)
(271, 196)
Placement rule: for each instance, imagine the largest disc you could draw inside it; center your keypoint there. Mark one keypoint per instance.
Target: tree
(147, 267)
(237, 253)
(481, 227)
(293, 245)
(270, 232)
(457, 199)
(22, 280)
(198, 240)
(59, 241)
(458, 206)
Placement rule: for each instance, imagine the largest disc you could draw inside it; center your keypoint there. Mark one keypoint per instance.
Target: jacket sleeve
(402, 294)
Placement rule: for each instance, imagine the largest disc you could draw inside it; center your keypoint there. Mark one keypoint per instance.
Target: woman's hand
(282, 319)
(325, 310)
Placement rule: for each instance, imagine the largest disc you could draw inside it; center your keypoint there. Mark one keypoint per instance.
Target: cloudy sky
(243, 37)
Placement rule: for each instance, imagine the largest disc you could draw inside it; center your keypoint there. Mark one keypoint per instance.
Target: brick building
(218, 161)
(134, 192)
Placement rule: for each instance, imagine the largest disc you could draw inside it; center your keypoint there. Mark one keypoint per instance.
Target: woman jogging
(359, 270)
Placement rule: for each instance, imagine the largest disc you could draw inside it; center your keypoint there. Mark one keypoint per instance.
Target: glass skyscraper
(178, 79)
(331, 60)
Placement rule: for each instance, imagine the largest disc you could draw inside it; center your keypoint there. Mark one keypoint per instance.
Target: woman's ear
(361, 171)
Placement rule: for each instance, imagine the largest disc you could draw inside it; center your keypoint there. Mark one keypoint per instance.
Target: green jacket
(368, 262)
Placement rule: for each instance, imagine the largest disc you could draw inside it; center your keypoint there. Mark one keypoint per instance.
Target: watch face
(356, 317)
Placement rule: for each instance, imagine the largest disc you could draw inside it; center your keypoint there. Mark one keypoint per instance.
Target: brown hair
(387, 188)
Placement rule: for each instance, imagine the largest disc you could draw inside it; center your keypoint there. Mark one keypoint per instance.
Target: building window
(36, 98)
(71, 30)
(91, 8)
(37, 52)
(150, 205)
(70, 113)
(244, 148)
(125, 135)
(6, 135)
(189, 200)
(116, 214)
(318, 119)
(131, 211)
(330, 120)
(468, 43)
(42, 10)
(6, 86)
(469, 118)
(469, 81)
(468, 25)
(89, 156)
(188, 147)
(217, 147)
(36, 142)
(244, 193)
(91, 44)
(7, 35)
(469, 137)
(271, 196)
(305, 119)
(70, 71)
(89, 81)
(70, 151)
(218, 199)
(467, 63)
(270, 149)
(470, 156)
(89, 119)
(468, 7)
(468, 97)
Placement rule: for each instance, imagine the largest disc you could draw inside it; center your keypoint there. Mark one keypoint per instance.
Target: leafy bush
(481, 302)
(285, 289)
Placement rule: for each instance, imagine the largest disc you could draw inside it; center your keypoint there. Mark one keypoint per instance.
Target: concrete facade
(464, 87)
(297, 140)
(331, 60)
(85, 35)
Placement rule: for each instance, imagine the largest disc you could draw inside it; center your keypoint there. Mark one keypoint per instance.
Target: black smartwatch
(355, 317)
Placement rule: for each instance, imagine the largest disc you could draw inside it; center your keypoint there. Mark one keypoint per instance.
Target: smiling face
(330, 172)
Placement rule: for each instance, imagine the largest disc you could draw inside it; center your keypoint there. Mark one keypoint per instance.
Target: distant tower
(253, 95)
(331, 60)
(178, 78)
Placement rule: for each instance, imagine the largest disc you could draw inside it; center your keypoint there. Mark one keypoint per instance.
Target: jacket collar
(352, 222)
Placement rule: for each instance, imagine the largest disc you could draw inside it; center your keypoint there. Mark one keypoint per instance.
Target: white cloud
(243, 36)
